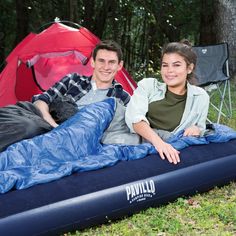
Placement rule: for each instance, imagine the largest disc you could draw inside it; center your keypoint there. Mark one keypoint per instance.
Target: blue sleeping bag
(75, 146)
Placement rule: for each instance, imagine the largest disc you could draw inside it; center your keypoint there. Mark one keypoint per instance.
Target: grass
(230, 121)
(211, 213)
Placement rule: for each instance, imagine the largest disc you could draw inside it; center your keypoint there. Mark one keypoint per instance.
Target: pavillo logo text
(140, 191)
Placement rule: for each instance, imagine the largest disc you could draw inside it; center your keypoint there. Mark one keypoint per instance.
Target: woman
(158, 110)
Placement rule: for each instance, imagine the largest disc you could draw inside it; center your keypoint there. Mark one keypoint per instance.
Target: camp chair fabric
(212, 73)
(42, 59)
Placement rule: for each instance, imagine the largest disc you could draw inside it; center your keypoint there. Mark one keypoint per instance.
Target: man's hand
(43, 107)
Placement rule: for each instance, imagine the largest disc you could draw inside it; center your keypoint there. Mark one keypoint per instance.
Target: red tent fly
(40, 60)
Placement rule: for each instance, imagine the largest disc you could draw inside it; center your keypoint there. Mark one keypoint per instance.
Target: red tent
(42, 59)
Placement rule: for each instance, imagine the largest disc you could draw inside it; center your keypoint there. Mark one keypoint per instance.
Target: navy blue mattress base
(90, 198)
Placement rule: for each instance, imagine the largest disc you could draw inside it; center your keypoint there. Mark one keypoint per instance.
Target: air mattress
(90, 198)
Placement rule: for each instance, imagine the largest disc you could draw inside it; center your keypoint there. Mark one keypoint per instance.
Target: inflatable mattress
(90, 198)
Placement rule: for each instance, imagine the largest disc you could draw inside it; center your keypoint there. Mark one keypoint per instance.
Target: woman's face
(174, 71)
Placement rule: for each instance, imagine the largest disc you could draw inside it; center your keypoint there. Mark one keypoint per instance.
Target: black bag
(62, 108)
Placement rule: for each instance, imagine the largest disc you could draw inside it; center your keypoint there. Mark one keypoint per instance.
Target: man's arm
(42, 101)
(44, 108)
(57, 90)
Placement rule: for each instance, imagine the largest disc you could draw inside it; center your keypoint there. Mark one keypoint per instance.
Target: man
(26, 120)
(106, 62)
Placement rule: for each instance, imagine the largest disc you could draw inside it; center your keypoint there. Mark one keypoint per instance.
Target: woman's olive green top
(150, 90)
(167, 113)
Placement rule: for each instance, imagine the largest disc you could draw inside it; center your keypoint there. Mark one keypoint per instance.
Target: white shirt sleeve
(138, 106)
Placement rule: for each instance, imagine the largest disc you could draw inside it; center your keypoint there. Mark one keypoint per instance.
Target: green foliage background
(141, 27)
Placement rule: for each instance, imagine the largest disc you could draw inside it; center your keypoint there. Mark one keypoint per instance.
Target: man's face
(105, 67)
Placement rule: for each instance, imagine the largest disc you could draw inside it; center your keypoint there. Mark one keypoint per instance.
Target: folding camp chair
(212, 73)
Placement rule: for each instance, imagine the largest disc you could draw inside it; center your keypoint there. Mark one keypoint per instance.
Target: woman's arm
(202, 105)
(164, 149)
(43, 107)
(138, 105)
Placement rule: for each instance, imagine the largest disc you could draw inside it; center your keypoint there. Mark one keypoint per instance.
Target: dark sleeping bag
(20, 121)
(24, 120)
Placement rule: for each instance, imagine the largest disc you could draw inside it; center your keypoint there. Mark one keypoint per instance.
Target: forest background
(140, 27)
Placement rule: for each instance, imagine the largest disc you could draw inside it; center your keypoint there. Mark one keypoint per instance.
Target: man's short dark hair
(109, 45)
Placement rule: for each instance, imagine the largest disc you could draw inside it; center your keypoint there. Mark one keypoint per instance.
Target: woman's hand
(166, 151)
(192, 131)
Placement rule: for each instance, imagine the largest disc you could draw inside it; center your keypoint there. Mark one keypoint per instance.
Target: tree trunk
(73, 11)
(22, 20)
(101, 17)
(2, 51)
(225, 24)
(88, 18)
(207, 30)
